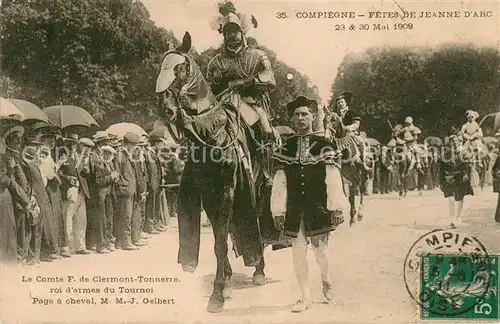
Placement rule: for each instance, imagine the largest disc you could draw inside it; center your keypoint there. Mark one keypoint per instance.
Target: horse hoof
(360, 218)
(188, 268)
(259, 279)
(352, 223)
(215, 305)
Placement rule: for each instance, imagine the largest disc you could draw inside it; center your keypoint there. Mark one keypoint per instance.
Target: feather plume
(226, 7)
(254, 22)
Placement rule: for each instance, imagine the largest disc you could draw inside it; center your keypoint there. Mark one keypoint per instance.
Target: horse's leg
(360, 208)
(259, 277)
(405, 185)
(219, 216)
(352, 202)
(228, 273)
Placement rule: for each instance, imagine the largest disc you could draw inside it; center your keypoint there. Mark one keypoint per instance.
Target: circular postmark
(447, 273)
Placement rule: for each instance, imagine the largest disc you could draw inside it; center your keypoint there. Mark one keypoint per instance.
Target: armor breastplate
(234, 68)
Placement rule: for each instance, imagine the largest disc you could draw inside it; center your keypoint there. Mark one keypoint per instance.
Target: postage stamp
(459, 286)
(450, 275)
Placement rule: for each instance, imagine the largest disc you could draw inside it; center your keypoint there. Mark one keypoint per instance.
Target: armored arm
(265, 78)
(214, 77)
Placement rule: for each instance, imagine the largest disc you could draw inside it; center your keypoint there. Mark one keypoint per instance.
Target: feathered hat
(228, 15)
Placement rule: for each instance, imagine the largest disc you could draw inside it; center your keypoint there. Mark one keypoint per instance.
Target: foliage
(434, 86)
(100, 55)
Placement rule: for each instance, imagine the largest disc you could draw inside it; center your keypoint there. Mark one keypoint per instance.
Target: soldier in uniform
(307, 196)
(245, 70)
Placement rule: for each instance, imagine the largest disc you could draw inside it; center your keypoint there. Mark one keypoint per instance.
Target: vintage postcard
(249, 161)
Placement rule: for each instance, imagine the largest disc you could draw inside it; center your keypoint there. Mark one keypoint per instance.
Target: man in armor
(244, 70)
(409, 134)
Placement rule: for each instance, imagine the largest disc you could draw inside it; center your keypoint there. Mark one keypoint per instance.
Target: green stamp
(459, 286)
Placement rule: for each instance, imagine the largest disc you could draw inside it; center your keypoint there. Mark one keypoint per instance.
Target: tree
(433, 85)
(95, 54)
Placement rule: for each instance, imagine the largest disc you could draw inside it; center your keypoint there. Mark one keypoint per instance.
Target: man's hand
(279, 222)
(337, 217)
(73, 181)
(241, 83)
(235, 84)
(465, 178)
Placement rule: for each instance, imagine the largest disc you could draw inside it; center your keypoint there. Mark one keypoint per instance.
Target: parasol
(392, 143)
(490, 124)
(121, 129)
(284, 130)
(64, 116)
(372, 142)
(30, 111)
(433, 141)
(489, 139)
(7, 108)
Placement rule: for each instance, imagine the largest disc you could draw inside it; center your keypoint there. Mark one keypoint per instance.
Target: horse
(402, 159)
(352, 173)
(223, 181)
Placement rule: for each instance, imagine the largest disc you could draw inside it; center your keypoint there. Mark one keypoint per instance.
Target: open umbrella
(7, 108)
(65, 115)
(372, 142)
(30, 110)
(392, 143)
(121, 129)
(489, 139)
(490, 124)
(284, 130)
(433, 141)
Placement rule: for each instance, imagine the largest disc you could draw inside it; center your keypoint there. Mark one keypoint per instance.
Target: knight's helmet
(228, 15)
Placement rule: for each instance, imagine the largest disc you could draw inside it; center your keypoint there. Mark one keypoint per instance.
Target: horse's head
(180, 85)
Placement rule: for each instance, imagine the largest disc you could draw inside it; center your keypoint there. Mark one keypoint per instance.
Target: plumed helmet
(228, 16)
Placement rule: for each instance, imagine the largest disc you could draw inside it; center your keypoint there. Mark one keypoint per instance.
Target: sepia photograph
(244, 161)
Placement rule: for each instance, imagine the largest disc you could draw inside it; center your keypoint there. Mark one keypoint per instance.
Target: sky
(313, 46)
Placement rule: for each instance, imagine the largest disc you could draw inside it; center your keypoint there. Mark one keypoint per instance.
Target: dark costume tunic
(304, 160)
(455, 175)
(10, 193)
(496, 186)
(56, 202)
